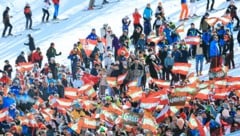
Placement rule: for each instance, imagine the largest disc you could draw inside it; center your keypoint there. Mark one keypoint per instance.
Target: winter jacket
(51, 90)
(136, 70)
(183, 1)
(125, 24)
(141, 44)
(31, 44)
(20, 59)
(123, 39)
(135, 36)
(6, 17)
(184, 57)
(115, 43)
(204, 26)
(157, 23)
(55, 1)
(233, 10)
(176, 55)
(206, 37)
(60, 90)
(27, 11)
(193, 32)
(51, 52)
(215, 49)
(92, 36)
(147, 14)
(46, 4)
(36, 57)
(168, 62)
(15, 89)
(136, 18)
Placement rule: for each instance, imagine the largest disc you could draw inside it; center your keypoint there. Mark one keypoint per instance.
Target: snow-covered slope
(80, 23)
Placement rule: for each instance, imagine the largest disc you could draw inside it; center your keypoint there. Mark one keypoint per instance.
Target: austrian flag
(192, 40)
(181, 68)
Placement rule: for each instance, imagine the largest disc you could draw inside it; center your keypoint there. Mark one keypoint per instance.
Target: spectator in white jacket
(45, 8)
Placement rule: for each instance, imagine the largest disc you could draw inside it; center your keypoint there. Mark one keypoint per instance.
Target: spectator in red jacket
(37, 57)
(5, 79)
(56, 8)
(136, 19)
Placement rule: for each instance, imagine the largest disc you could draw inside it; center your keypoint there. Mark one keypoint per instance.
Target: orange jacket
(136, 18)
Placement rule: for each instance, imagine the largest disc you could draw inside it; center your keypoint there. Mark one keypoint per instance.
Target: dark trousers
(208, 2)
(28, 22)
(6, 25)
(205, 52)
(229, 60)
(237, 18)
(215, 62)
(45, 13)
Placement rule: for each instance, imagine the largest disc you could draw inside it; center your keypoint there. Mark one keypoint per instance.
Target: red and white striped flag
(233, 82)
(64, 103)
(75, 127)
(203, 94)
(3, 114)
(25, 66)
(121, 78)
(90, 92)
(181, 68)
(220, 83)
(180, 28)
(221, 93)
(192, 40)
(135, 93)
(161, 83)
(116, 109)
(133, 83)
(162, 95)
(149, 122)
(112, 81)
(71, 93)
(88, 122)
(163, 114)
(149, 103)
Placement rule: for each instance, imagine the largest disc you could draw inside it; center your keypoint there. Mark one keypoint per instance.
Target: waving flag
(221, 93)
(88, 48)
(233, 82)
(90, 92)
(149, 122)
(71, 93)
(181, 68)
(112, 81)
(211, 21)
(203, 94)
(116, 109)
(121, 78)
(75, 127)
(220, 83)
(149, 103)
(225, 19)
(161, 83)
(135, 93)
(3, 114)
(192, 40)
(65, 103)
(88, 122)
(25, 66)
(133, 83)
(180, 28)
(163, 114)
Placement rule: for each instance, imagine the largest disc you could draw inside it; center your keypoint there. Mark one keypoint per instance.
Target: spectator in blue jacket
(92, 35)
(52, 89)
(215, 53)
(147, 14)
(206, 38)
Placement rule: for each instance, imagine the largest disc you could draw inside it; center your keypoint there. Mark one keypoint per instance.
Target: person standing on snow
(233, 12)
(92, 35)
(28, 16)
(6, 22)
(215, 53)
(184, 11)
(211, 8)
(193, 8)
(125, 23)
(31, 43)
(56, 8)
(51, 52)
(45, 8)
(147, 16)
(136, 19)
